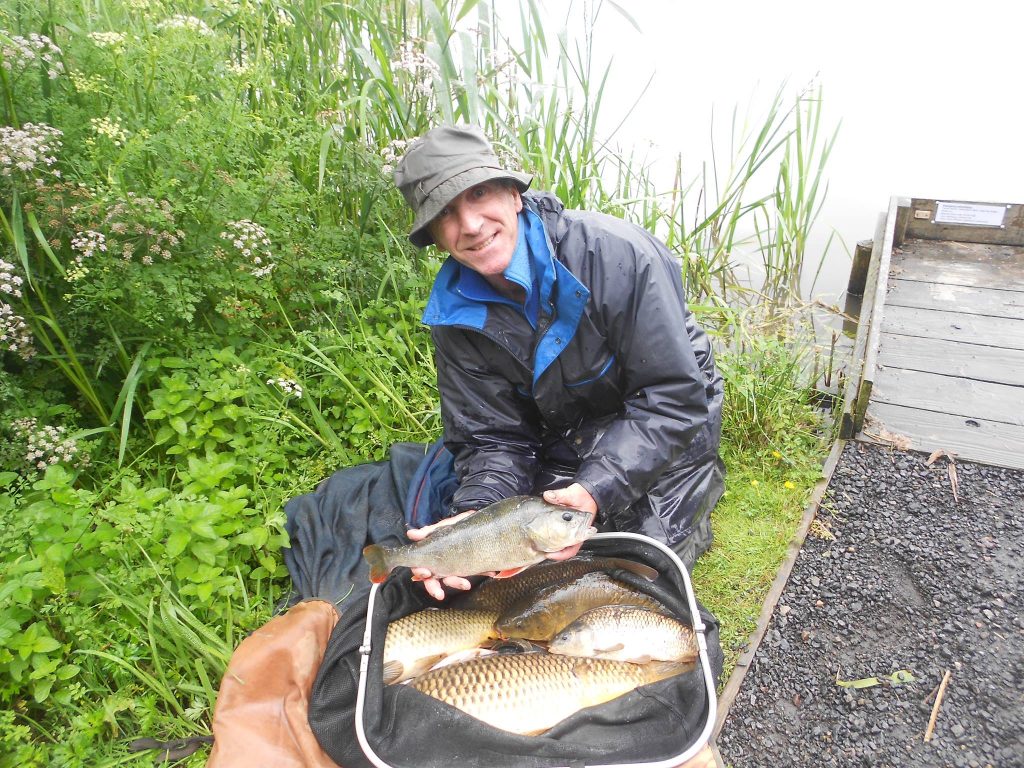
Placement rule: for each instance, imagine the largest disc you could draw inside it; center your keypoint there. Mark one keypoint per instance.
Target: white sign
(970, 213)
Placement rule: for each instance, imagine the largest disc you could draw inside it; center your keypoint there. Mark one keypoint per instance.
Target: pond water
(926, 96)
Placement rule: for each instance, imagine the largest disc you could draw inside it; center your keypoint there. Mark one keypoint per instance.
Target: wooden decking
(942, 337)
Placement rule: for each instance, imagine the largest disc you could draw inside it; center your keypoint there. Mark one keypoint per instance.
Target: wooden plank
(877, 316)
(848, 418)
(922, 225)
(956, 298)
(1007, 333)
(989, 442)
(980, 266)
(951, 358)
(949, 394)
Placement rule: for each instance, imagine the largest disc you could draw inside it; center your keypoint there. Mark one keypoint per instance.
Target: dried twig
(935, 709)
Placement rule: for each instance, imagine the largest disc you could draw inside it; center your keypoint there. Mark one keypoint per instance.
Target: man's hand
(433, 585)
(577, 497)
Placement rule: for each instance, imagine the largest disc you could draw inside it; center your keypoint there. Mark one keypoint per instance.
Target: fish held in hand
(416, 642)
(626, 633)
(501, 594)
(504, 536)
(529, 693)
(540, 616)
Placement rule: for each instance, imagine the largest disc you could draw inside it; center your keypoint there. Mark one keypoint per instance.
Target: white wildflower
(87, 243)
(14, 333)
(290, 387)
(250, 240)
(422, 70)
(32, 148)
(20, 52)
(107, 39)
(46, 445)
(10, 283)
(111, 128)
(187, 23)
(392, 153)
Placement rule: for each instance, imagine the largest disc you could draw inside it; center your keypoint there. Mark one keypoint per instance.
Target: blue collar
(461, 296)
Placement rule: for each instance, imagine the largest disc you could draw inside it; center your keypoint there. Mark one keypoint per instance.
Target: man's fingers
(457, 582)
(565, 554)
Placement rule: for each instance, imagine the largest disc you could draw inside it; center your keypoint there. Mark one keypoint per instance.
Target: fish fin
(510, 572)
(633, 566)
(377, 560)
(641, 659)
(611, 648)
(393, 671)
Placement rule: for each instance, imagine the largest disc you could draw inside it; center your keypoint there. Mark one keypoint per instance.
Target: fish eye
(567, 516)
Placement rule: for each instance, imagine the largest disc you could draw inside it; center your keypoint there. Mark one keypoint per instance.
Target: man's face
(480, 228)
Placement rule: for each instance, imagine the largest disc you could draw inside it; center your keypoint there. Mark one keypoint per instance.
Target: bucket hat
(440, 165)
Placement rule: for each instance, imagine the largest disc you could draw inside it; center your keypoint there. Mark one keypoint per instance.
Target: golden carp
(540, 616)
(500, 594)
(416, 642)
(529, 693)
(503, 536)
(626, 633)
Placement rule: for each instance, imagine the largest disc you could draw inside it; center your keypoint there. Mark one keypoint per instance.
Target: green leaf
(177, 542)
(205, 551)
(45, 644)
(41, 689)
(179, 425)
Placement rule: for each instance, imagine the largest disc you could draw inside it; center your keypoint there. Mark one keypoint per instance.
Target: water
(926, 96)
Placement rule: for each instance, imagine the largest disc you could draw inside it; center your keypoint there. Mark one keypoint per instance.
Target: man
(567, 361)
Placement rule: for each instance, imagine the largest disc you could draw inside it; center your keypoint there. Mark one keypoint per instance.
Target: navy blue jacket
(606, 380)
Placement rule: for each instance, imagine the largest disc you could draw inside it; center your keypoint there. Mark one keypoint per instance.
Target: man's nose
(470, 219)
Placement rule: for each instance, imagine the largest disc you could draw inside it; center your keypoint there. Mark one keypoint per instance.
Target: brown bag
(260, 717)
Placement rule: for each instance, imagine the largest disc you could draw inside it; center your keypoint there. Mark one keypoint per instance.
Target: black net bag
(399, 726)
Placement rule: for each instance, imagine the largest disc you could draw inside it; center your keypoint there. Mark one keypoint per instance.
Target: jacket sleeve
(652, 336)
(492, 432)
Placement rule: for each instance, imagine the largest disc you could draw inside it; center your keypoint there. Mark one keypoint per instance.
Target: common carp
(416, 642)
(500, 594)
(626, 633)
(529, 693)
(503, 537)
(540, 616)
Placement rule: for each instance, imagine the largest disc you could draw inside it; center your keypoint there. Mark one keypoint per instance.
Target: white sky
(930, 95)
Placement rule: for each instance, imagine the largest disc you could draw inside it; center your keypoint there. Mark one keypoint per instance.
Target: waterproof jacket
(614, 386)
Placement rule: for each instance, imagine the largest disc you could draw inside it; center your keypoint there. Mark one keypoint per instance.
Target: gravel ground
(913, 580)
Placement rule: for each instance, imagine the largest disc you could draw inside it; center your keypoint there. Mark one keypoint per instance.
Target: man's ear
(518, 198)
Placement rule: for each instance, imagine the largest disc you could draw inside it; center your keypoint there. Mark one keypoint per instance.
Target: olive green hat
(442, 164)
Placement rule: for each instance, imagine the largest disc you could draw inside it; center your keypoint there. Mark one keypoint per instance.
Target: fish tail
(376, 558)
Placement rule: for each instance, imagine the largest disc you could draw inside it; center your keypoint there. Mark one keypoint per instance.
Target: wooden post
(903, 208)
(859, 268)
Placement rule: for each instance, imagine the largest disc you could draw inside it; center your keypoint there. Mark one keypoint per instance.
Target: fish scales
(417, 641)
(531, 692)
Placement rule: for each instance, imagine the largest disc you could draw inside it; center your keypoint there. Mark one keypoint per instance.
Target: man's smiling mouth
(484, 244)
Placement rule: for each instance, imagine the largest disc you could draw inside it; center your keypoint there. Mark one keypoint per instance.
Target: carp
(500, 594)
(528, 693)
(505, 536)
(542, 615)
(626, 633)
(416, 642)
